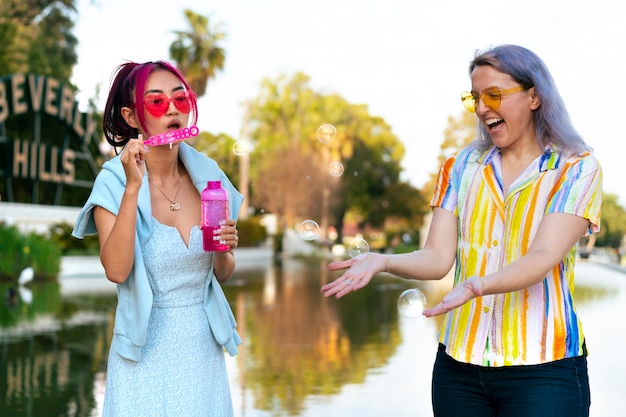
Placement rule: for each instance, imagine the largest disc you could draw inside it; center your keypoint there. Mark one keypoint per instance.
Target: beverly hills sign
(49, 149)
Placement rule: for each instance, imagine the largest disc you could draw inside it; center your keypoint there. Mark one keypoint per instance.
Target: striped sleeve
(578, 190)
(445, 194)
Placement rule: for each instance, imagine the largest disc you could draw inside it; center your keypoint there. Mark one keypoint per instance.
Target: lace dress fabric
(182, 371)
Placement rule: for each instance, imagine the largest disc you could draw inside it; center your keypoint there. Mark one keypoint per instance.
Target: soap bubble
(241, 147)
(411, 303)
(336, 169)
(309, 230)
(326, 133)
(358, 247)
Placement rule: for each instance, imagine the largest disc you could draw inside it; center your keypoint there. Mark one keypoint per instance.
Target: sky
(406, 60)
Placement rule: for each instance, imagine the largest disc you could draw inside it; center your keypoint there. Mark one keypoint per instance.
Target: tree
(35, 37)
(290, 184)
(220, 148)
(612, 223)
(289, 157)
(36, 42)
(197, 52)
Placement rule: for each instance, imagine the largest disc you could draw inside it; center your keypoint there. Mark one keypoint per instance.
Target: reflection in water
(303, 355)
(298, 344)
(51, 351)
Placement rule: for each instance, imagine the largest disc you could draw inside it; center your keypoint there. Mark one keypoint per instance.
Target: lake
(303, 355)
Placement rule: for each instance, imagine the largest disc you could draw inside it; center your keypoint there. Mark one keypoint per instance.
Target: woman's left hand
(359, 271)
(224, 264)
(459, 295)
(229, 234)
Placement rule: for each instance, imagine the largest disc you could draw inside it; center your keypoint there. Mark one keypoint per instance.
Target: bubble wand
(172, 136)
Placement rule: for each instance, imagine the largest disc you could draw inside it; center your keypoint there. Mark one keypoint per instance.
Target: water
(303, 355)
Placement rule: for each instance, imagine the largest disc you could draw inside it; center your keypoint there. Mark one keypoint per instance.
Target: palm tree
(197, 53)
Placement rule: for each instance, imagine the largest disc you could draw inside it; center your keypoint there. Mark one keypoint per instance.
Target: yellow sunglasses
(491, 97)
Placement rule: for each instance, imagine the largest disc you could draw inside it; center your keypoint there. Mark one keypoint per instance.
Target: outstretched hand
(360, 271)
(459, 295)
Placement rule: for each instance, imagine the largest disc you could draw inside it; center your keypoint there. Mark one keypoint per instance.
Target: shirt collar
(550, 159)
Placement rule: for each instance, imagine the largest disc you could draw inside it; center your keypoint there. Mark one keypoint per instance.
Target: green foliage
(44, 257)
(14, 258)
(406, 248)
(251, 232)
(20, 251)
(219, 148)
(197, 52)
(612, 223)
(289, 157)
(61, 235)
(35, 36)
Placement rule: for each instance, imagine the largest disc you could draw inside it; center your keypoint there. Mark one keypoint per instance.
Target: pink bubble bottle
(215, 212)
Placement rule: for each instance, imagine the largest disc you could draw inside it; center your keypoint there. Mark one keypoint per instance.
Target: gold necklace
(174, 205)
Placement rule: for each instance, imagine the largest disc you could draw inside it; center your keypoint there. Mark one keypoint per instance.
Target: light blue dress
(182, 371)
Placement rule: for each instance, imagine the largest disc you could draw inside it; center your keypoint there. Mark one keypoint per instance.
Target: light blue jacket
(135, 295)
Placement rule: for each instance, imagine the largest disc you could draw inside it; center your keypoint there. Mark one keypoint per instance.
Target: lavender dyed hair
(130, 78)
(552, 123)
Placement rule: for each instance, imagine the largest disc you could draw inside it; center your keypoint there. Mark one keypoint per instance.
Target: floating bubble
(309, 230)
(411, 303)
(336, 169)
(358, 247)
(326, 133)
(241, 147)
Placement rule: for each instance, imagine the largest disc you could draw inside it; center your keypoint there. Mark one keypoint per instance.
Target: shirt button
(486, 309)
(495, 243)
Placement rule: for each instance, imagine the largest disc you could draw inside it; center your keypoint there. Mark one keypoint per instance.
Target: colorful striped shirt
(538, 324)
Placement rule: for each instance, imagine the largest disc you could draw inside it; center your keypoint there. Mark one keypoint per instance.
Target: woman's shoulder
(471, 153)
(586, 159)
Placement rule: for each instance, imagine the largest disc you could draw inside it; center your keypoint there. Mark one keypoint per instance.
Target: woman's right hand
(133, 159)
(360, 271)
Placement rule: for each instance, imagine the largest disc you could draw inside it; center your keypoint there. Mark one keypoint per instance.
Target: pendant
(174, 206)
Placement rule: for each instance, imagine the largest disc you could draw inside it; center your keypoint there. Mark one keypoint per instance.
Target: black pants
(554, 389)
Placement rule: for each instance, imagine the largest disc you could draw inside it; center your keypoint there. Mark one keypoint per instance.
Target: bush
(251, 232)
(14, 258)
(20, 251)
(45, 257)
(61, 234)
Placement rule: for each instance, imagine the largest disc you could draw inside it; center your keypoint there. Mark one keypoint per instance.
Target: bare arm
(117, 233)
(556, 235)
(117, 240)
(430, 263)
